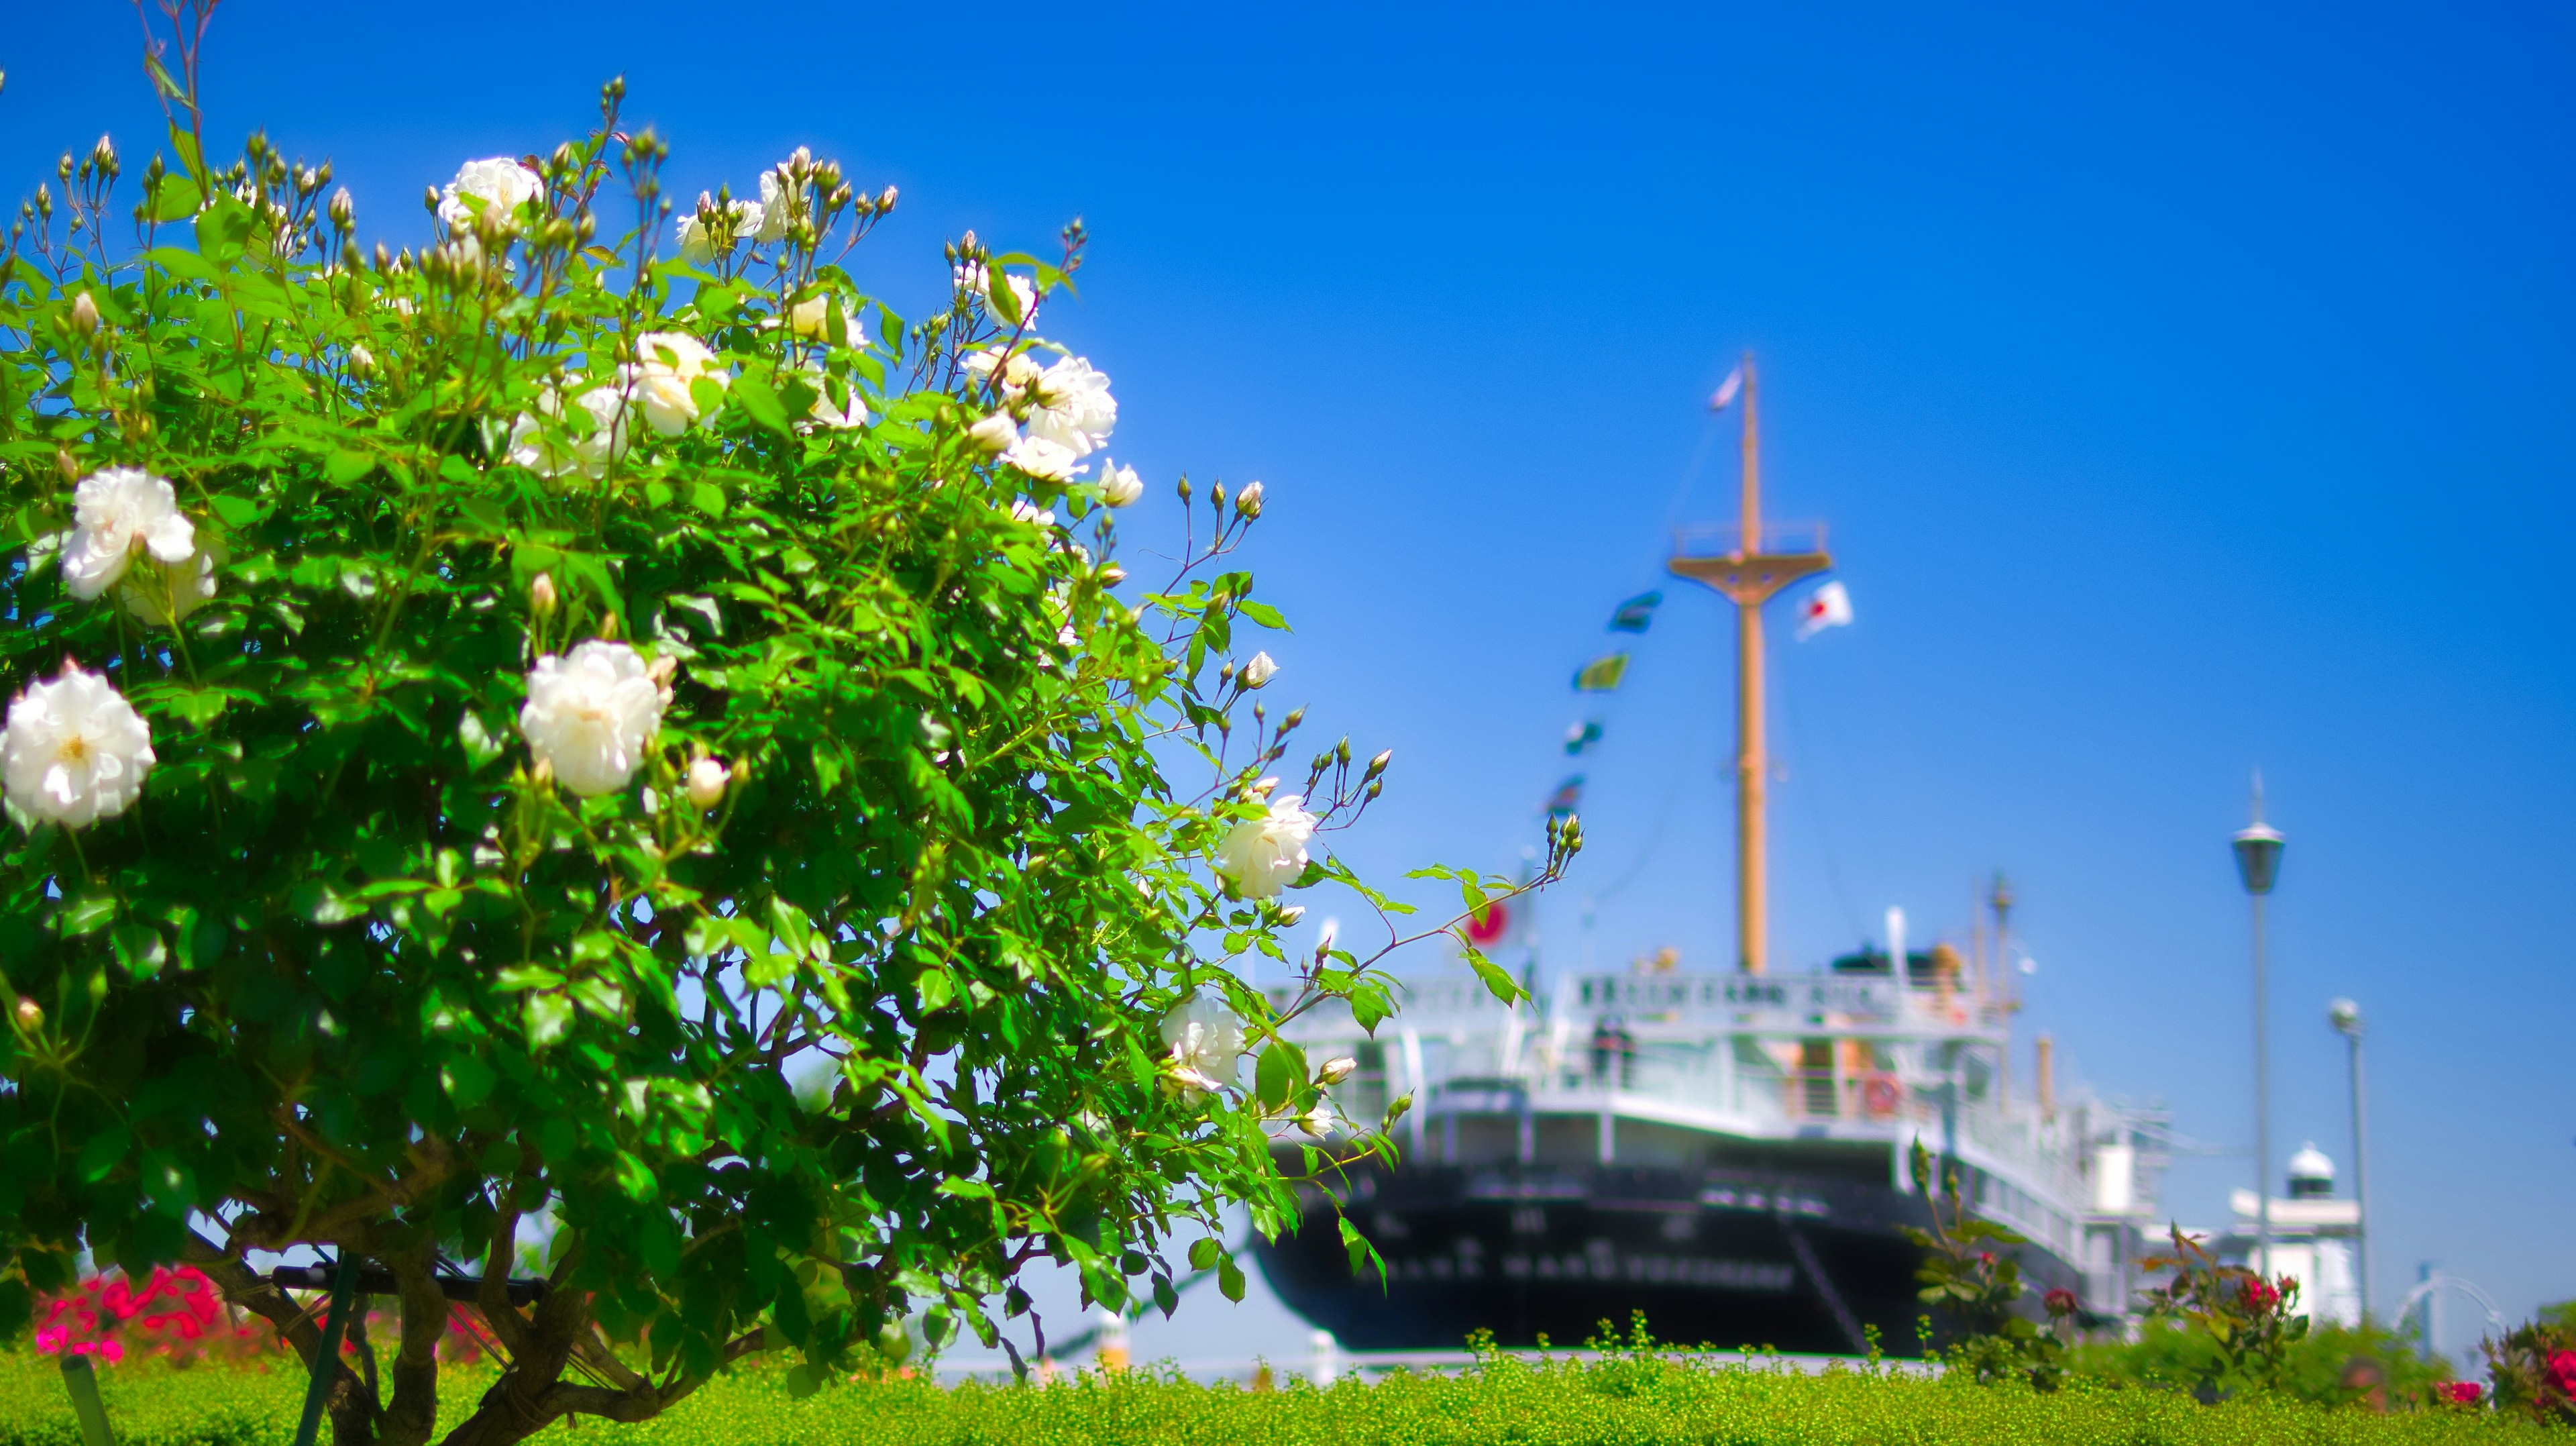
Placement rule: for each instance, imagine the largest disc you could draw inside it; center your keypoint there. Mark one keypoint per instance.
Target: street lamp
(2258, 863)
(2345, 1016)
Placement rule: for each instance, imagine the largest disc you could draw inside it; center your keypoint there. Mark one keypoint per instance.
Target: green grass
(1618, 1402)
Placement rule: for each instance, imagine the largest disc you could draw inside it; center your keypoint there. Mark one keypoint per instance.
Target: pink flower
(50, 1340)
(2260, 1295)
(2462, 1393)
(2562, 1372)
(2061, 1302)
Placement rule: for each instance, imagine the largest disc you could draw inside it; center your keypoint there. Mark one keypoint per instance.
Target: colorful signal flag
(1602, 674)
(1636, 613)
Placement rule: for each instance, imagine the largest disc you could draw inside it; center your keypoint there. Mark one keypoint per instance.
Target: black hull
(1717, 1257)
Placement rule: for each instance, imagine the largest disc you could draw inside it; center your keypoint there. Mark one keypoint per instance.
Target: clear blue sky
(2187, 387)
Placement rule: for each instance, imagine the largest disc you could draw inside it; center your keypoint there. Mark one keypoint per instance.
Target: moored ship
(1725, 1152)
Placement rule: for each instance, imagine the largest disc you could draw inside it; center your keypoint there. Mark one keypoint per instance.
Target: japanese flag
(1827, 607)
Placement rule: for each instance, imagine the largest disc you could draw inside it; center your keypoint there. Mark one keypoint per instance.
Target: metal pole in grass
(81, 1379)
(344, 1284)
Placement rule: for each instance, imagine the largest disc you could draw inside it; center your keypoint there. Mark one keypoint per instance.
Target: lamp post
(2345, 1016)
(2258, 863)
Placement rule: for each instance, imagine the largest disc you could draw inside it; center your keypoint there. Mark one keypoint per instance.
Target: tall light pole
(2345, 1016)
(2258, 863)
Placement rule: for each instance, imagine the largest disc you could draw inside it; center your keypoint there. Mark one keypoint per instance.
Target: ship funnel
(2047, 1075)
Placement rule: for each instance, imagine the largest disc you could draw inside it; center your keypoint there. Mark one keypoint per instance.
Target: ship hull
(1536, 1255)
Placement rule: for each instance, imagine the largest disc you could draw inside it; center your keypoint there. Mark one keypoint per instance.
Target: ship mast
(1750, 567)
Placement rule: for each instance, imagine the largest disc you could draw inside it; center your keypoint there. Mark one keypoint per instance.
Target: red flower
(2260, 1296)
(2061, 1302)
(2562, 1372)
(2462, 1393)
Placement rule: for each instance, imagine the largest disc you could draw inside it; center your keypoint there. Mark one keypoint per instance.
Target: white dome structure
(2311, 1174)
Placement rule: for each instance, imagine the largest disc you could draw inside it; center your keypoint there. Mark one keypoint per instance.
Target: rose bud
(707, 779)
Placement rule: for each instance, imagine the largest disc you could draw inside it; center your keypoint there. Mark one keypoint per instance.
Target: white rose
(74, 751)
(498, 182)
(851, 412)
(994, 433)
(666, 363)
(1019, 372)
(1264, 855)
(530, 447)
(116, 513)
(977, 279)
(1119, 486)
(590, 717)
(1317, 1122)
(164, 593)
(1337, 1069)
(1259, 671)
(1075, 410)
(812, 319)
(698, 239)
(1206, 1042)
(777, 203)
(1040, 457)
(1248, 501)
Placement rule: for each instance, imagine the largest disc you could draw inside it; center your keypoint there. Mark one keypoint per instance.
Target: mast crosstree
(1750, 564)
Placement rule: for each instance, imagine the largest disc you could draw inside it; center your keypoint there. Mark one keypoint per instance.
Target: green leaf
(1497, 978)
(761, 404)
(238, 511)
(1371, 1006)
(1280, 1075)
(1356, 1244)
(708, 498)
(467, 1080)
(1229, 1279)
(88, 915)
(936, 989)
(102, 1152)
(178, 198)
(139, 948)
(1264, 614)
(1000, 298)
(549, 1018)
(1205, 1252)
(182, 140)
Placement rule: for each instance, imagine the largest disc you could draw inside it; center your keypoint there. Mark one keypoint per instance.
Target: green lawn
(1627, 1401)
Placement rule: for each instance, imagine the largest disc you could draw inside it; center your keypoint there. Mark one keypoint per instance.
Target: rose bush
(534, 732)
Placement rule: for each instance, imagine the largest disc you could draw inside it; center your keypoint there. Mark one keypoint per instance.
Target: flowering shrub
(177, 1316)
(2247, 1326)
(180, 1317)
(1973, 1291)
(2534, 1367)
(538, 729)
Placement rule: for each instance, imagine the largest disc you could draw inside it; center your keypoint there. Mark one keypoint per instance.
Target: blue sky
(2186, 386)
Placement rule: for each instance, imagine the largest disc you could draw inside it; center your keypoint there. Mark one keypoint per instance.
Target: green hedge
(1627, 1401)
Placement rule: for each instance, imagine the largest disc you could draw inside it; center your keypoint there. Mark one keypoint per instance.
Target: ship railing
(1676, 1006)
(1731, 997)
(1727, 539)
